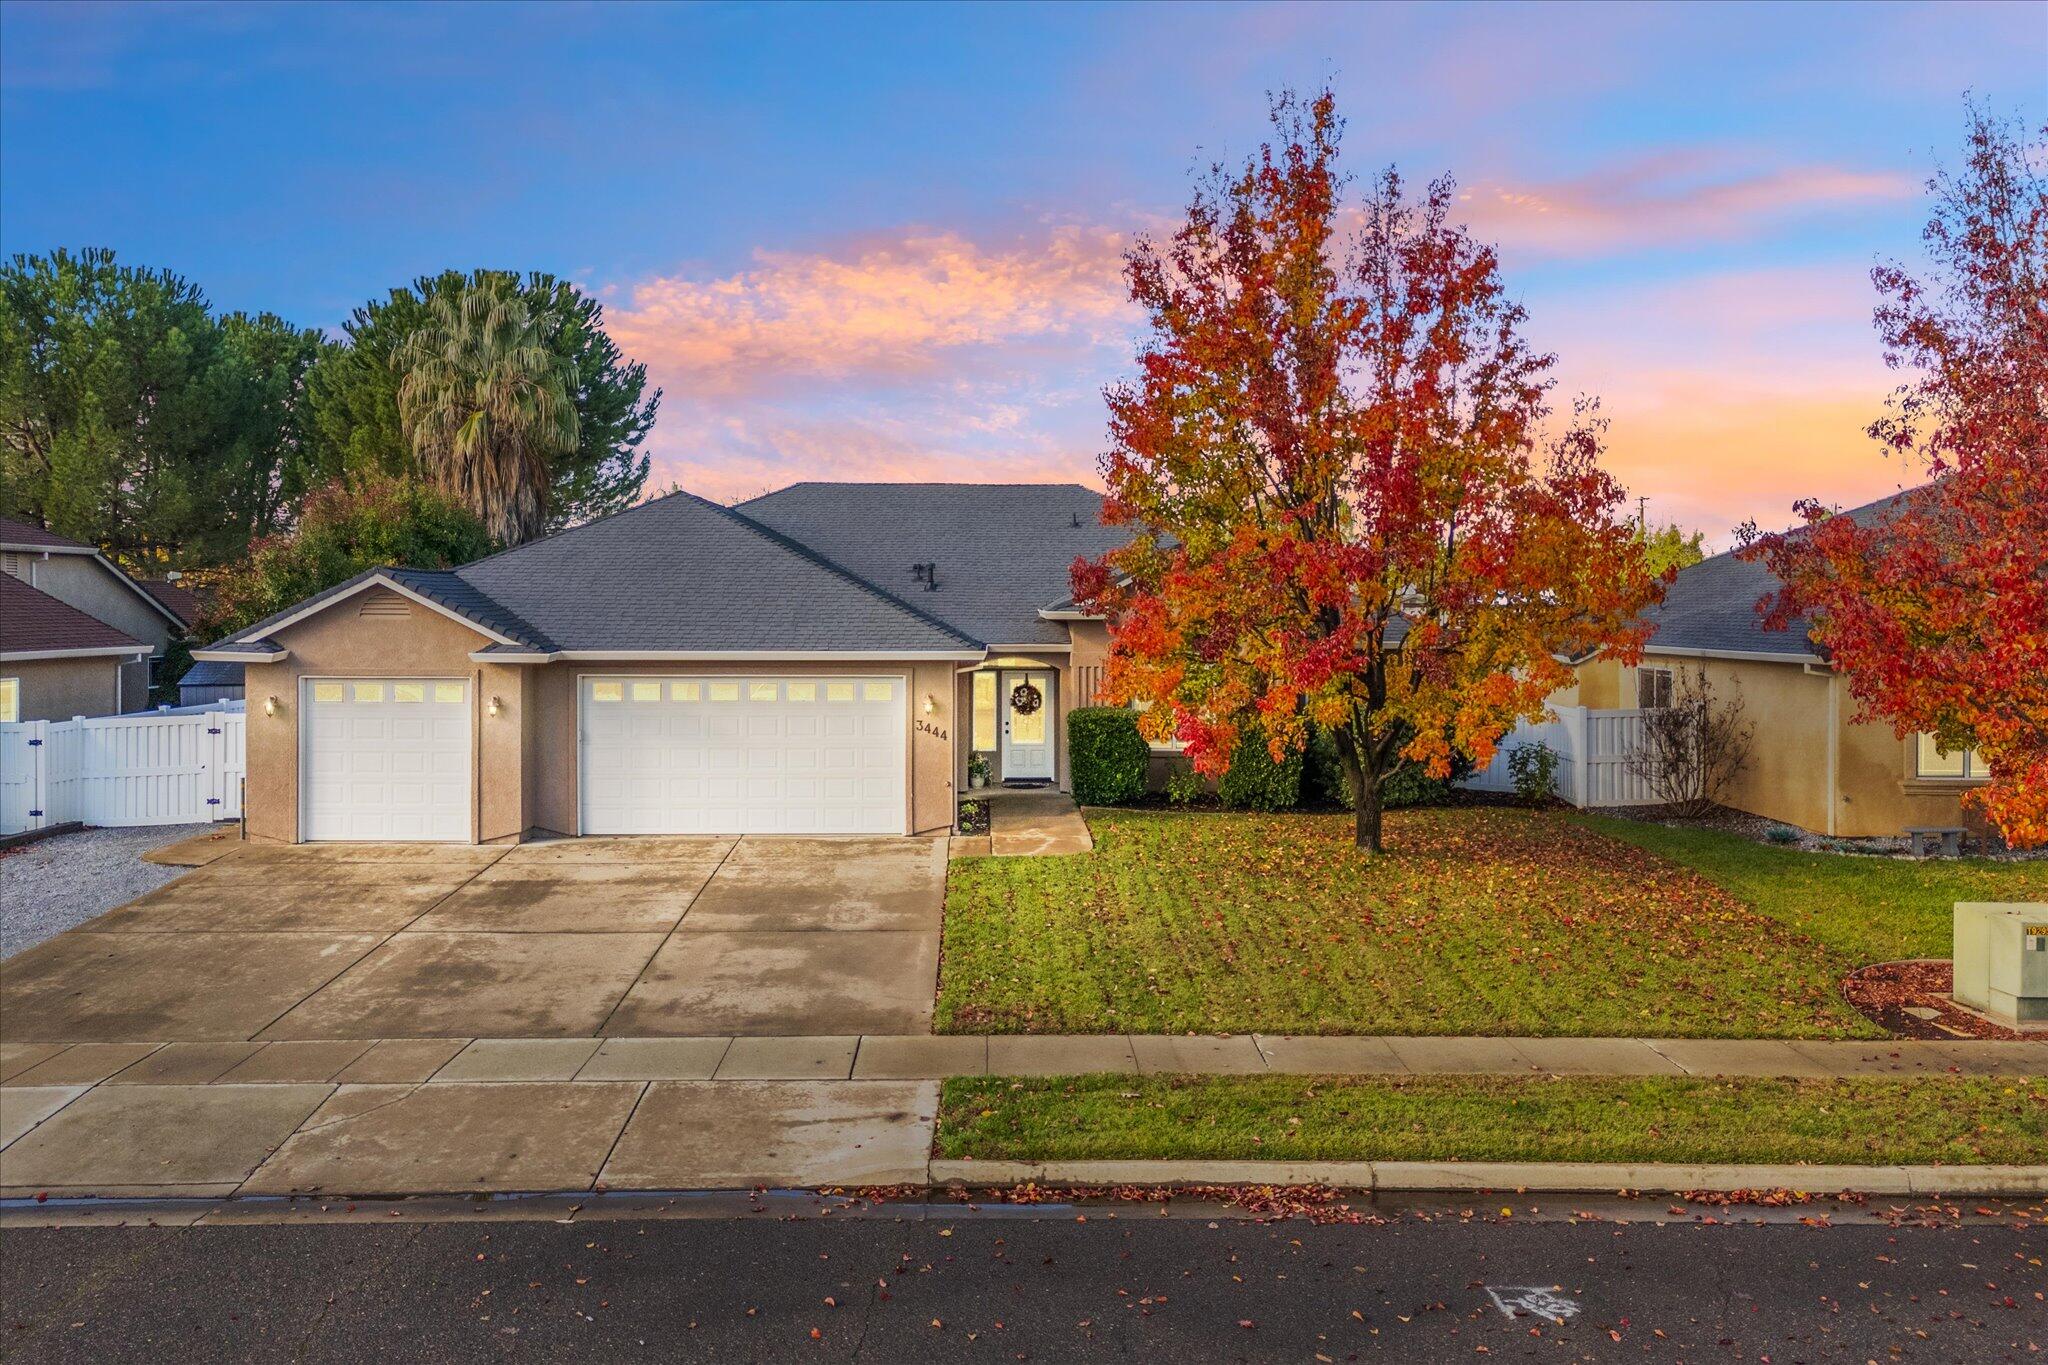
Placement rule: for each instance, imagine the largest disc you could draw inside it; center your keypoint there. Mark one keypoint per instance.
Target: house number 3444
(926, 727)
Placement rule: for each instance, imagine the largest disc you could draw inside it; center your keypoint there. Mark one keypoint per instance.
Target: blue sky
(882, 241)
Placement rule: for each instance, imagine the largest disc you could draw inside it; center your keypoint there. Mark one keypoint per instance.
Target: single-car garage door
(384, 758)
(741, 755)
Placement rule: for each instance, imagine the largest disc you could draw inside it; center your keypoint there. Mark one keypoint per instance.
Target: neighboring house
(56, 662)
(83, 578)
(820, 660)
(1813, 766)
(206, 682)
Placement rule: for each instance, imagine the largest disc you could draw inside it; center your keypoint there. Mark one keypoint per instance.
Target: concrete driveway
(575, 938)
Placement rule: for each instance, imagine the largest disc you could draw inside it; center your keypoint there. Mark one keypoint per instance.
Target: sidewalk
(437, 1116)
(910, 1057)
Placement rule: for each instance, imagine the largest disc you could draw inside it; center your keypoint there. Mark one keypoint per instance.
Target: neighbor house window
(984, 710)
(1931, 760)
(10, 700)
(1653, 688)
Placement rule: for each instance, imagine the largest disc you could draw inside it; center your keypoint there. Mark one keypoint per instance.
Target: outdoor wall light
(931, 704)
(496, 706)
(270, 706)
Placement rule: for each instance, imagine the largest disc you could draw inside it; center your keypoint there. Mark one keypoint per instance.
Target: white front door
(742, 755)
(1026, 697)
(384, 758)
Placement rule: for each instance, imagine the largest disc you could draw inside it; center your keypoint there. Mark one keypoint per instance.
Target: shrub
(1782, 834)
(1255, 781)
(1692, 750)
(1408, 785)
(1534, 768)
(1107, 754)
(1185, 786)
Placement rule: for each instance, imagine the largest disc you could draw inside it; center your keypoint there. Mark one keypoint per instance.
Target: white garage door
(761, 755)
(384, 758)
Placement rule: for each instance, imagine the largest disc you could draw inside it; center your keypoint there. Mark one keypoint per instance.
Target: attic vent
(385, 604)
(16, 565)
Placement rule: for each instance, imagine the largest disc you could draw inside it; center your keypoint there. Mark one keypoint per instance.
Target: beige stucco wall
(341, 643)
(58, 689)
(1794, 712)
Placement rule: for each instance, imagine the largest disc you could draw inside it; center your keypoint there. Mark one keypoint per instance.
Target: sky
(878, 242)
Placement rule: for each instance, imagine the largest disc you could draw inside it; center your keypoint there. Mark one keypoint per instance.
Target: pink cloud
(908, 305)
(1666, 200)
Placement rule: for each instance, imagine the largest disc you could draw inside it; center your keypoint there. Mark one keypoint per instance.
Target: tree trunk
(1364, 789)
(1367, 825)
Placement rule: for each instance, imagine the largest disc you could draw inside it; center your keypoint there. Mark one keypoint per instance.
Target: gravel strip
(59, 883)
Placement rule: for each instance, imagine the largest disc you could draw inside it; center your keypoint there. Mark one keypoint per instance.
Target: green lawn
(1869, 909)
(1477, 921)
(1935, 1119)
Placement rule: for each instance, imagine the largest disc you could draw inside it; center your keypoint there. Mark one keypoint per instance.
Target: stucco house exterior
(1814, 766)
(56, 662)
(824, 659)
(82, 578)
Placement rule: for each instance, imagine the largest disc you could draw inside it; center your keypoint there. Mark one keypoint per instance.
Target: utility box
(2002, 960)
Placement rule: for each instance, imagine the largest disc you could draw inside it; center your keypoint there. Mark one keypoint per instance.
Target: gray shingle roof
(203, 674)
(683, 573)
(1003, 550)
(1712, 606)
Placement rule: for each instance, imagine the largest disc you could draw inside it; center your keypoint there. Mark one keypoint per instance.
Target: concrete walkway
(1034, 824)
(438, 1116)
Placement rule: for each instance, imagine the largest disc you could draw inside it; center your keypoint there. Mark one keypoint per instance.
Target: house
(1813, 766)
(81, 577)
(57, 662)
(823, 659)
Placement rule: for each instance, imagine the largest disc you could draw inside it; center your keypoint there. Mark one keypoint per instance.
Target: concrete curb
(1550, 1177)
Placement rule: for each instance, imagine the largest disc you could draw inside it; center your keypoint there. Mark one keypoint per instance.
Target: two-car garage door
(741, 755)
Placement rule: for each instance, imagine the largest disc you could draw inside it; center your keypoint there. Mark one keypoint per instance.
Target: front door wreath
(1025, 699)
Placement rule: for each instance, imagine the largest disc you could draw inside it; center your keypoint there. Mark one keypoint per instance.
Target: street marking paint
(1541, 1301)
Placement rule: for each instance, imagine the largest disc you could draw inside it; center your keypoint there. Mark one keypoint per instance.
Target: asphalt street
(1058, 1284)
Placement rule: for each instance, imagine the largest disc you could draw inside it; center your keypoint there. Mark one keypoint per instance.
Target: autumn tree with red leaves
(1348, 513)
(1936, 610)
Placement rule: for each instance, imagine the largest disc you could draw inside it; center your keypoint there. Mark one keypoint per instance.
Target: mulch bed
(1883, 993)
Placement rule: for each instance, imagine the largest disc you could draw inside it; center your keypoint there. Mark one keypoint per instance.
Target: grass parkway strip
(1947, 1120)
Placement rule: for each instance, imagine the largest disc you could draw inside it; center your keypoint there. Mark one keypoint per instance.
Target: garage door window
(838, 691)
(409, 692)
(803, 691)
(761, 691)
(329, 692)
(725, 691)
(684, 692)
(369, 692)
(607, 691)
(647, 691)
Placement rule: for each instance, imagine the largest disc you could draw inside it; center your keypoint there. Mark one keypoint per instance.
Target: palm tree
(486, 406)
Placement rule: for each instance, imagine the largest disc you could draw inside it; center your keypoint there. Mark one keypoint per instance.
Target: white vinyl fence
(170, 767)
(1592, 749)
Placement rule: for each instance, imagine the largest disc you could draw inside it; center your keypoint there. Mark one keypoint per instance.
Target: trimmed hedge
(1255, 781)
(1107, 754)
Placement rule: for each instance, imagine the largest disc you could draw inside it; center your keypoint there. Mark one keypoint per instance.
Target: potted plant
(977, 770)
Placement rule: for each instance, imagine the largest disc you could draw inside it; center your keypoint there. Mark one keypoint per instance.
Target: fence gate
(159, 768)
